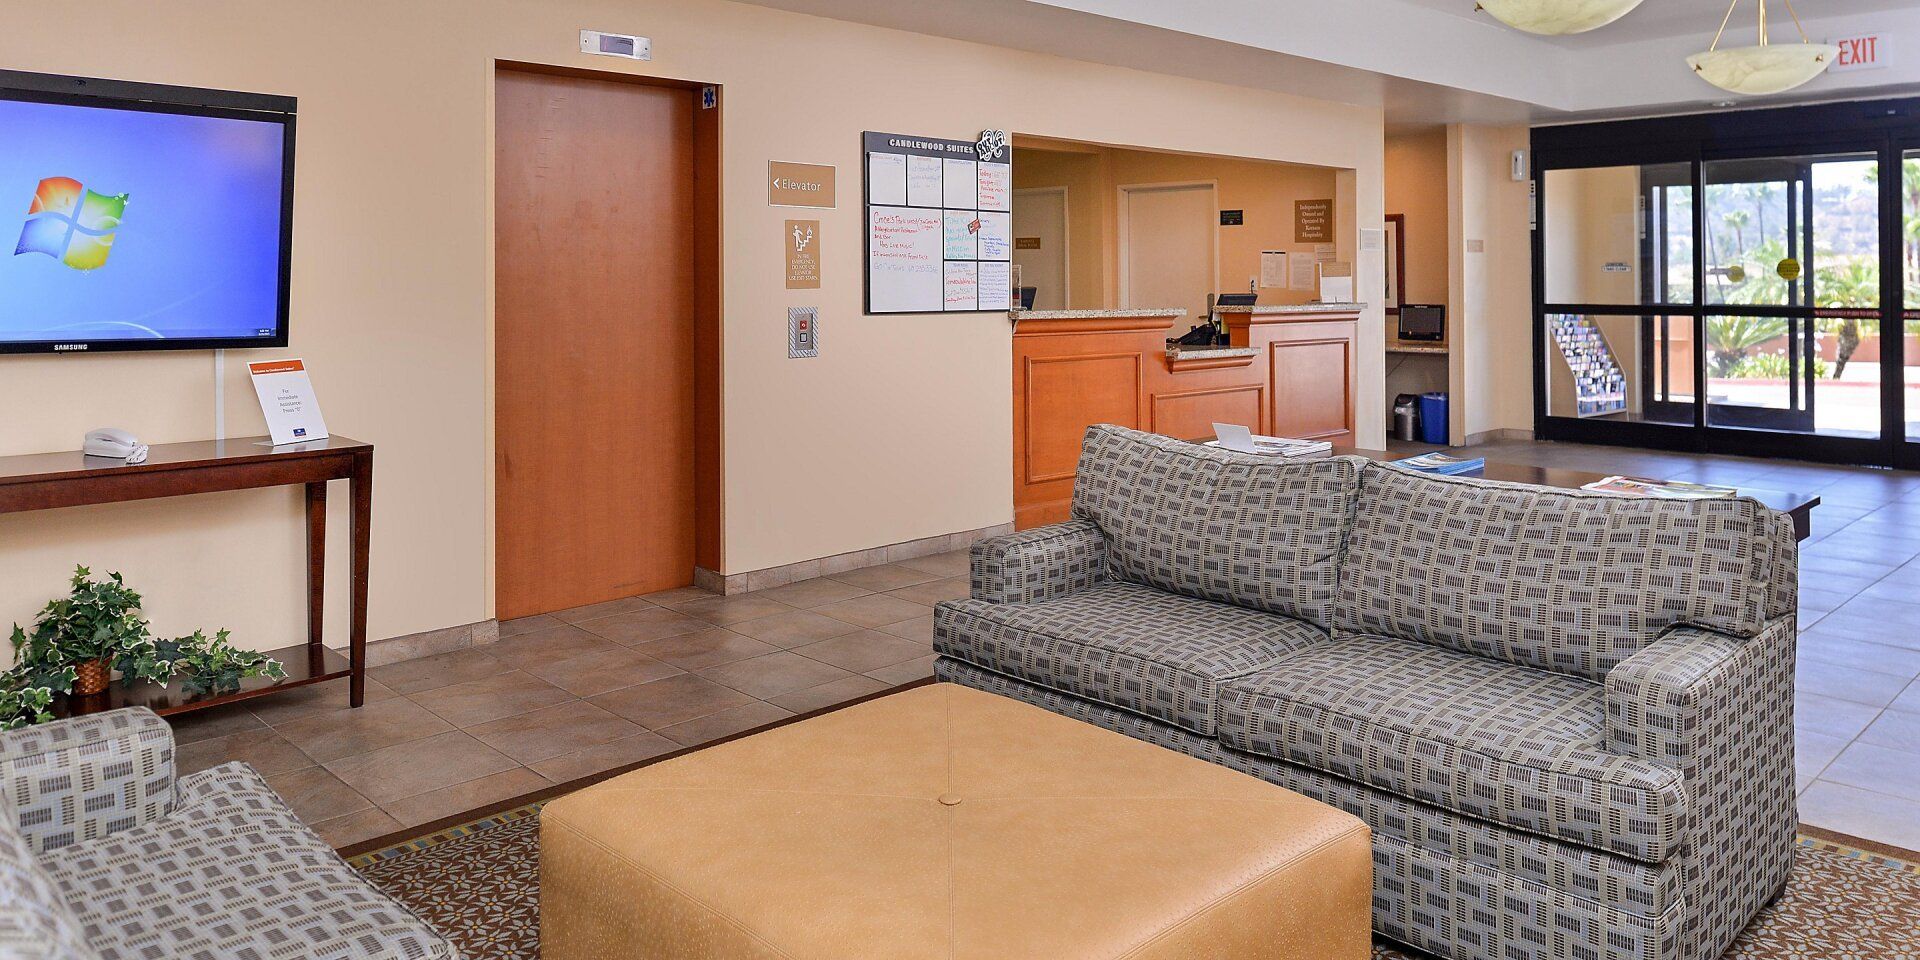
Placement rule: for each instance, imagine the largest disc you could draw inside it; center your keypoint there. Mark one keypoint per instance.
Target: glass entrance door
(1791, 303)
(1902, 351)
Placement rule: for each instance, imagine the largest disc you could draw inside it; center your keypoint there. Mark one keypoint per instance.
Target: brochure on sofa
(1680, 489)
(1233, 436)
(1443, 464)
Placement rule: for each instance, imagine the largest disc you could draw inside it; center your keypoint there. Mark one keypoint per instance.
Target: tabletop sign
(286, 398)
(799, 184)
(1233, 218)
(1313, 221)
(939, 223)
(802, 240)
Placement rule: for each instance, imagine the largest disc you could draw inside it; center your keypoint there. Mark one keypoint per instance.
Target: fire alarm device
(616, 45)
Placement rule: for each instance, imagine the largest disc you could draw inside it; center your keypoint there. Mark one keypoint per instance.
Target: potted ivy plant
(78, 641)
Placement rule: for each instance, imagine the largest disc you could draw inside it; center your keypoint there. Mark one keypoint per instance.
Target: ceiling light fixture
(1764, 68)
(1556, 17)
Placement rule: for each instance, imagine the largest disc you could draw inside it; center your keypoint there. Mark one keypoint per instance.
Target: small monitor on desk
(1235, 300)
(1423, 321)
(1026, 297)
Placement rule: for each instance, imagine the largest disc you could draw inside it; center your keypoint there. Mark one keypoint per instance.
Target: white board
(996, 235)
(939, 225)
(904, 260)
(962, 236)
(996, 285)
(962, 285)
(996, 186)
(959, 191)
(887, 179)
(923, 181)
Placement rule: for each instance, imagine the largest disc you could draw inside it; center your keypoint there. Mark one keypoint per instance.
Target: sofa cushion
(1159, 654)
(1505, 743)
(232, 874)
(35, 921)
(1568, 581)
(1210, 523)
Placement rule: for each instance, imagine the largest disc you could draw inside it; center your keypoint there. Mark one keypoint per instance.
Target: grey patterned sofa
(1566, 716)
(104, 856)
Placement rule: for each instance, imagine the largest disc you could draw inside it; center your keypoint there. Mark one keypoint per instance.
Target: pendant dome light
(1766, 67)
(1556, 17)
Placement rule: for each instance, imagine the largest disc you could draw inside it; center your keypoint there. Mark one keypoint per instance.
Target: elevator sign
(1867, 51)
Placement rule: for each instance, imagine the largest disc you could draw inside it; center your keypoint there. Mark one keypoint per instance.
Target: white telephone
(116, 443)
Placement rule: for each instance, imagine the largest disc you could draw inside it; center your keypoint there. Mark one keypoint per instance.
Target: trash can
(1433, 417)
(1406, 417)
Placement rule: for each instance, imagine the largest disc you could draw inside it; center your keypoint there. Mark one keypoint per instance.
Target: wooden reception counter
(1288, 372)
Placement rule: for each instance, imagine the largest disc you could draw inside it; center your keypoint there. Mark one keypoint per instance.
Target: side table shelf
(50, 480)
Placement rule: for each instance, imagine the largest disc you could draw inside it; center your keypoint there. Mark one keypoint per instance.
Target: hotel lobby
(1243, 479)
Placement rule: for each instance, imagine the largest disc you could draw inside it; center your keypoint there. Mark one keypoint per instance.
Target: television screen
(135, 224)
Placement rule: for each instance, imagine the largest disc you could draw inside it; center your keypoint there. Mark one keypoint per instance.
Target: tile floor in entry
(565, 695)
(569, 694)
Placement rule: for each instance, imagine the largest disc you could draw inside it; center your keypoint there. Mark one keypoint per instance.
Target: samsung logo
(66, 347)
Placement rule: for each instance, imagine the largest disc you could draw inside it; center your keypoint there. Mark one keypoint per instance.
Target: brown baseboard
(780, 576)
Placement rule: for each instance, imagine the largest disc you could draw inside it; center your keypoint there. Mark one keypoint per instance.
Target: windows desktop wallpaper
(126, 224)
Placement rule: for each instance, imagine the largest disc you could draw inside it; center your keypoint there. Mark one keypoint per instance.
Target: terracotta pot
(91, 677)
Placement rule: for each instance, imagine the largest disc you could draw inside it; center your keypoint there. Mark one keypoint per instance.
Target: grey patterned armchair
(1566, 716)
(104, 856)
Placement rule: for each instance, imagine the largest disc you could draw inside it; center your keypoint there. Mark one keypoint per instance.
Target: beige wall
(1090, 245)
(1416, 187)
(1491, 302)
(1264, 191)
(1593, 220)
(900, 430)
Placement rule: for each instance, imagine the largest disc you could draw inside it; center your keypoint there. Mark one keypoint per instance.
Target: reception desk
(1289, 371)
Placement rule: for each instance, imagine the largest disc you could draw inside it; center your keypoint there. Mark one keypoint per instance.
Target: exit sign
(1867, 51)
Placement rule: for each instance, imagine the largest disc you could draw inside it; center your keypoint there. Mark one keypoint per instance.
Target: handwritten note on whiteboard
(904, 260)
(923, 181)
(996, 235)
(963, 285)
(962, 235)
(996, 285)
(996, 186)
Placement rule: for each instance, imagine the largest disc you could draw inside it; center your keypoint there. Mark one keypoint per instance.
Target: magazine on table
(1441, 463)
(1230, 436)
(1680, 489)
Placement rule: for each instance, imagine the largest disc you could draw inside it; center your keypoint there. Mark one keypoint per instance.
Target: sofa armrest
(1719, 710)
(86, 777)
(1039, 564)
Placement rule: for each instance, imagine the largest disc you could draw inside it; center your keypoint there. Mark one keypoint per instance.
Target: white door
(1040, 244)
(1169, 248)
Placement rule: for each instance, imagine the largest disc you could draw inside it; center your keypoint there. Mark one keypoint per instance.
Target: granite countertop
(1095, 314)
(1177, 351)
(1282, 308)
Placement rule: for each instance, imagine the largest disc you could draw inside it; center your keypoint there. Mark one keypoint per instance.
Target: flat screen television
(142, 217)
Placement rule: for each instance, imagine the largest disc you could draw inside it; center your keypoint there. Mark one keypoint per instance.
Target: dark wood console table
(48, 480)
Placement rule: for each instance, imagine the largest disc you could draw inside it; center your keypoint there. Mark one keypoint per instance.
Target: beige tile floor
(573, 693)
(569, 694)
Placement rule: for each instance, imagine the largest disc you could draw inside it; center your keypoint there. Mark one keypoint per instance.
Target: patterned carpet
(479, 883)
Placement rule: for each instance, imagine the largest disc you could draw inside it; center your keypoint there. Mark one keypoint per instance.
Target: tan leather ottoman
(944, 822)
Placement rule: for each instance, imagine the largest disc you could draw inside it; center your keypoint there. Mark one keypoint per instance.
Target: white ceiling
(1657, 19)
(1423, 62)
